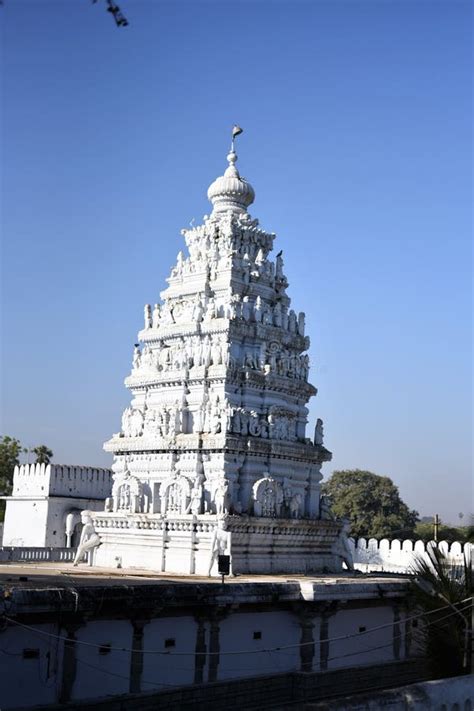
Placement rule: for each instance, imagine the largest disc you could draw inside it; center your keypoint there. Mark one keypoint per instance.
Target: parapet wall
(395, 556)
(62, 480)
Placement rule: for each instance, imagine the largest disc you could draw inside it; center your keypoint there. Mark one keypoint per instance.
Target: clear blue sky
(357, 139)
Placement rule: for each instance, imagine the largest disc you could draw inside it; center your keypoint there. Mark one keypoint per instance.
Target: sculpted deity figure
(325, 509)
(254, 424)
(301, 322)
(260, 258)
(126, 421)
(221, 496)
(319, 432)
(195, 504)
(246, 309)
(292, 321)
(206, 351)
(147, 316)
(198, 419)
(167, 313)
(220, 543)
(198, 308)
(246, 269)
(136, 357)
(236, 421)
(279, 266)
(215, 417)
(148, 359)
(135, 423)
(179, 264)
(267, 315)
(258, 310)
(346, 552)
(156, 316)
(267, 497)
(244, 422)
(277, 315)
(89, 537)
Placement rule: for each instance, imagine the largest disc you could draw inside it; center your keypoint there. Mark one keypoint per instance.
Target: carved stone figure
(345, 549)
(301, 322)
(325, 510)
(292, 321)
(135, 423)
(279, 266)
(136, 357)
(246, 308)
(277, 315)
(220, 497)
(147, 316)
(126, 421)
(319, 433)
(175, 494)
(267, 497)
(258, 310)
(156, 316)
(195, 504)
(89, 537)
(220, 543)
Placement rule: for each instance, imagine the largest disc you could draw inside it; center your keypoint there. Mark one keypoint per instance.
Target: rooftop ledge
(36, 585)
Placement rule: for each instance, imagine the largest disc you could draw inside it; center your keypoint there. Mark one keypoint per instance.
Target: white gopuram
(212, 456)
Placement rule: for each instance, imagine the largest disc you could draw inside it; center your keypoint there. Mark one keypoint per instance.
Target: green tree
(371, 503)
(425, 532)
(43, 454)
(10, 450)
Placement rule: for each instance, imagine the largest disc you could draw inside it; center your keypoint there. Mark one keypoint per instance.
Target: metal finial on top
(236, 131)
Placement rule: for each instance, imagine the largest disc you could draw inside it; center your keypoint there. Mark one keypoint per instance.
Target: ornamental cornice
(226, 443)
(324, 530)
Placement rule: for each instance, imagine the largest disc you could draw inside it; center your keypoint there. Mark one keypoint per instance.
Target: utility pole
(436, 523)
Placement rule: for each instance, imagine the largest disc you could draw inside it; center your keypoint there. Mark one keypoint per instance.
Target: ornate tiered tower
(213, 456)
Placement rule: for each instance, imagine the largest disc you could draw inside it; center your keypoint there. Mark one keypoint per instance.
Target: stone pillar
(326, 612)
(397, 632)
(200, 650)
(307, 650)
(69, 661)
(136, 656)
(217, 615)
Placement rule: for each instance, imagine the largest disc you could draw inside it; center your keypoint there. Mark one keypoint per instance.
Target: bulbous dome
(230, 191)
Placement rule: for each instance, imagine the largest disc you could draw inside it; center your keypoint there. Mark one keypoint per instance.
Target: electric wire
(468, 602)
(160, 685)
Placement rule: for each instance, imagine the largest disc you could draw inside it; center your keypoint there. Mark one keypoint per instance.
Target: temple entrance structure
(213, 449)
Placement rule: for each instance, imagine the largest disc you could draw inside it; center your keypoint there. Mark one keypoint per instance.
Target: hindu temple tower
(213, 454)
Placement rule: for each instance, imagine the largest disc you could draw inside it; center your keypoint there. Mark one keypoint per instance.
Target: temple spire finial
(236, 131)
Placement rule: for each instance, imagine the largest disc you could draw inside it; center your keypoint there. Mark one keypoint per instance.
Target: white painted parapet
(395, 556)
(61, 480)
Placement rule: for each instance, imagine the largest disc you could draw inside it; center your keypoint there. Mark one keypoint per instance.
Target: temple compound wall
(395, 556)
(224, 645)
(46, 501)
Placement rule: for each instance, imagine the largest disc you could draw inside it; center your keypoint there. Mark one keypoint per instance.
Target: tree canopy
(372, 504)
(43, 454)
(10, 452)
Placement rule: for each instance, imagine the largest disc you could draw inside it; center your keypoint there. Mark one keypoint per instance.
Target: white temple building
(212, 456)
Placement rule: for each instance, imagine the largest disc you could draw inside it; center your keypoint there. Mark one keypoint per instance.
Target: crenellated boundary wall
(396, 556)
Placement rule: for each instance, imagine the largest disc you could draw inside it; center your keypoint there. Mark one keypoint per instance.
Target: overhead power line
(242, 651)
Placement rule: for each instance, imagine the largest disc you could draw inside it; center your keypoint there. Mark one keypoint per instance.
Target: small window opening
(31, 653)
(362, 629)
(105, 648)
(414, 623)
(257, 635)
(170, 643)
